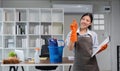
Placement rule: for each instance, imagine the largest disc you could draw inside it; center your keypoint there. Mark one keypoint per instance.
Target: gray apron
(83, 51)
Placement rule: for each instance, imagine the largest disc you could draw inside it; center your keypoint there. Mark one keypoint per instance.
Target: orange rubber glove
(103, 48)
(73, 27)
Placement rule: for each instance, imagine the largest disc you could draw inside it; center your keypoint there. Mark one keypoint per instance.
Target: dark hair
(91, 17)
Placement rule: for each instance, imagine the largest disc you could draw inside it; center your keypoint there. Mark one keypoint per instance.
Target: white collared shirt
(92, 33)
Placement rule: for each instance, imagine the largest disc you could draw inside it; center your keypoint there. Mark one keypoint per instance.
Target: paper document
(70, 57)
(20, 54)
(106, 41)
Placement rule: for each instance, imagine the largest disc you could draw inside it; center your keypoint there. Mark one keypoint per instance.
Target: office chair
(15, 68)
(45, 53)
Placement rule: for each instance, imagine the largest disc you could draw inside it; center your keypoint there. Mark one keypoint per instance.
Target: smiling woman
(86, 21)
(84, 45)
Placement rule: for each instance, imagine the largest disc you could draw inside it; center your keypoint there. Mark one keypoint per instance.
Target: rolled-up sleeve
(67, 39)
(95, 42)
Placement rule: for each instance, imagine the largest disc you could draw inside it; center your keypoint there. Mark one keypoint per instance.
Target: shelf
(33, 35)
(34, 15)
(28, 28)
(46, 28)
(9, 42)
(21, 15)
(21, 42)
(57, 15)
(9, 48)
(1, 42)
(8, 35)
(1, 54)
(57, 27)
(1, 17)
(34, 41)
(21, 28)
(22, 35)
(8, 28)
(34, 28)
(0, 28)
(8, 14)
(8, 21)
(45, 15)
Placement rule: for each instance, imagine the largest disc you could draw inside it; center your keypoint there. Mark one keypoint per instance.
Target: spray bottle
(36, 56)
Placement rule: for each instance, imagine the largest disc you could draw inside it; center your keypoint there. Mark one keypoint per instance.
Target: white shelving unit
(25, 28)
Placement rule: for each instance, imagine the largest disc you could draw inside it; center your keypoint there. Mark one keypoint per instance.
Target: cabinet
(25, 28)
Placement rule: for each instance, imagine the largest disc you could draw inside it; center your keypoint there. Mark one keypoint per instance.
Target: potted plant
(12, 55)
(12, 58)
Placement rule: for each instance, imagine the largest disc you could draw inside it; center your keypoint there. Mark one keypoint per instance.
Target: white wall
(115, 32)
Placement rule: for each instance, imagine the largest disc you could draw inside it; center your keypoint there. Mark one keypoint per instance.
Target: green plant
(12, 54)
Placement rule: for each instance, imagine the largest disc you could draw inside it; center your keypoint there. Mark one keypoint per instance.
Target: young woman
(84, 42)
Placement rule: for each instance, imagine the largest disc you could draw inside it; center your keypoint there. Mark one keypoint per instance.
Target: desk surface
(65, 62)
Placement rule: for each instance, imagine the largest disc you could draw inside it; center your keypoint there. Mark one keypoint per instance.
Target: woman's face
(85, 22)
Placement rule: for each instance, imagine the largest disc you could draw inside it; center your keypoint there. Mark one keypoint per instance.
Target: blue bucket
(55, 54)
(60, 50)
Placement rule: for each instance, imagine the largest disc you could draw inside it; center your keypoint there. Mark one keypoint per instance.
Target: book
(106, 41)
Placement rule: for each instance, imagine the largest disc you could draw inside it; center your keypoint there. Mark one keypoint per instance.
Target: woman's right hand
(73, 27)
(71, 45)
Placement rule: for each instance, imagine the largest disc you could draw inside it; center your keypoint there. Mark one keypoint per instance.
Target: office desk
(65, 62)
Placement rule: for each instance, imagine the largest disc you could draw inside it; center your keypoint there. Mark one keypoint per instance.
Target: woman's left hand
(103, 48)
